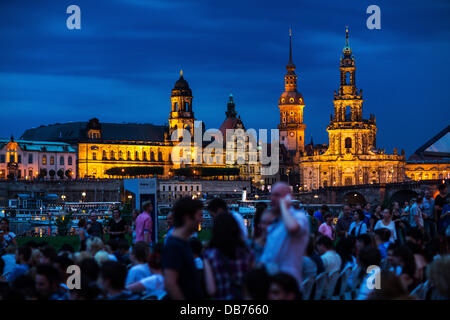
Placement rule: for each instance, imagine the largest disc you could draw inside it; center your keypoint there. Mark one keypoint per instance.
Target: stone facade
(351, 157)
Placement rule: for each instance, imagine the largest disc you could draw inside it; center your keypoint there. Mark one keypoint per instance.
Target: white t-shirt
(390, 226)
(137, 273)
(154, 284)
(284, 252)
(331, 261)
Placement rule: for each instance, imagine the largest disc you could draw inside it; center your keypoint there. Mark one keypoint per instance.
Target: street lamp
(83, 195)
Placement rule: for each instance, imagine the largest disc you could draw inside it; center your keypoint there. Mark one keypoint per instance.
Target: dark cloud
(129, 52)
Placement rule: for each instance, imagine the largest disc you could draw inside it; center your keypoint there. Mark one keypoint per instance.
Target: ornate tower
(181, 115)
(348, 132)
(292, 129)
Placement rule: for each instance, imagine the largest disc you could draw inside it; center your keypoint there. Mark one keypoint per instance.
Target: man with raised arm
(287, 236)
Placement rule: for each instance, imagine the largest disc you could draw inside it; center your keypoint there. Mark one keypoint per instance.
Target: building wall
(427, 171)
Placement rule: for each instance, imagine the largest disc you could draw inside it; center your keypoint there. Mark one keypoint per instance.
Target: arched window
(120, 155)
(113, 156)
(104, 155)
(44, 159)
(52, 160)
(61, 161)
(69, 160)
(347, 77)
(152, 156)
(175, 105)
(412, 176)
(160, 158)
(348, 143)
(145, 156)
(128, 155)
(136, 155)
(348, 113)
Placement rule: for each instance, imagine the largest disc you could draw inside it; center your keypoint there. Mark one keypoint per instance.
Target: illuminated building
(432, 160)
(352, 156)
(36, 159)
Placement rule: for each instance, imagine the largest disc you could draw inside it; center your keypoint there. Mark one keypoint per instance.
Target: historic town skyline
(64, 77)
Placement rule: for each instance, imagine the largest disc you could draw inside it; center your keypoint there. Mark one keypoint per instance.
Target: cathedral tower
(292, 129)
(181, 115)
(348, 132)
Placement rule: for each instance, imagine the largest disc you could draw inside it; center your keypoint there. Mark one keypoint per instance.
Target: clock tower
(292, 128)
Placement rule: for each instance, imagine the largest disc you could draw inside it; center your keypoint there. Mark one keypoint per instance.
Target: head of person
(169, 220)
(112, 276)
(123, 246)
(387, 214)
(419, 200)
(283, 286)
(347, 210)
(93, 245)
(345, 248)
(396, 205)
(378, 209)
(147, 206)
(382, 235)
(256, 284)
(362, 241)
(187, 214)
(135, 214)
(216, 206)
(415, 235)
(403, 257)
(48, 255)
(47, 280)
(226, 235)
(323, 244)
(23, 254)
(328, 219)
(438, 272)
(427, 194)
(93, 216)
(391, 288)
(369, 256)
(442, 189)
(358, 215)
(140, 252)
(279, 191)
(61, 264)
(90, 269)
(367, 207)
(4, 224)
(82, 223)
(324, 209)
(116, 214)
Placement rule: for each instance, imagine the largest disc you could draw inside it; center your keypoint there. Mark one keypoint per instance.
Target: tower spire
(347, 50)
(290, 46)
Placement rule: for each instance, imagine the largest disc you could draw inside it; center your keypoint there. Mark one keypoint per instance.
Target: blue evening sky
(122, 64)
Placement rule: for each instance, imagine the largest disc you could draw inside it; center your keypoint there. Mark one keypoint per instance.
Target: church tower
(181, 115)
(292, 128)
(348, 132)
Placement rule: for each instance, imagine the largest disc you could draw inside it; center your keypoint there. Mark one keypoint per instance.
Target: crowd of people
(404, 246)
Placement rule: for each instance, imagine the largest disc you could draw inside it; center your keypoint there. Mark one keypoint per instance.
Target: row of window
(180, 188)
(112, 156)
(52, 160)
(44, 159)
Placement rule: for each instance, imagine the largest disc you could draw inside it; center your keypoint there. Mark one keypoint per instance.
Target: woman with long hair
(226, 260)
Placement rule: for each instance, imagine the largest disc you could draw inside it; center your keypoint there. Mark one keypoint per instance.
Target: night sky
(122, 64)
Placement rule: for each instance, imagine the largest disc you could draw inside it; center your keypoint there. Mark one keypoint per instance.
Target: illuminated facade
(351, 157)
(36, 159)
(432, 160)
